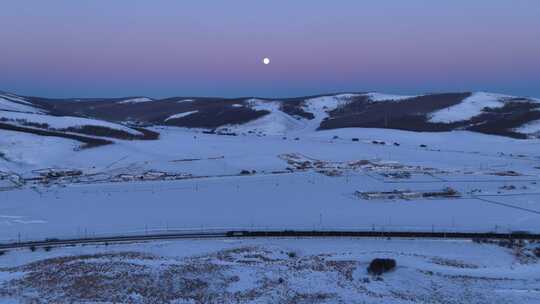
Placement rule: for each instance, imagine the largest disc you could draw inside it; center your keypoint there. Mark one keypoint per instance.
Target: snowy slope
(276, 122)
(135, 100)
(185, 100)
(14, 97)
(427, 112)
(180, 115)
(469, 107)
(320, 106)
(281, 123)
(531, 128)
(60, 122)
(26, 151)
(300, 270)
(15, 103)
(375, 96)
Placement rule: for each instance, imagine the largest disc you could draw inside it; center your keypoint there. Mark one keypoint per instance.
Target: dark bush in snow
(508, 187)
(33, 124)
(245, 172)
(507, 173)
(32, 248)
(291, 254)
(2, 252)
(355, 139)
(380, 266)
(480, 240)
(510, 244)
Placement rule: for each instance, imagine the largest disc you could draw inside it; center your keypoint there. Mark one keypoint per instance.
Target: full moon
(266, 60)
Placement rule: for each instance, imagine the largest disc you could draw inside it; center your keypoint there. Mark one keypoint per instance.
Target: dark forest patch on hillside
(502, 121)
(211, 112)
(147, 134)
(89, 142)
(413, 115)
(215, 117)
(113, 133)
(93, 130)
(294, 107)
(409, 114)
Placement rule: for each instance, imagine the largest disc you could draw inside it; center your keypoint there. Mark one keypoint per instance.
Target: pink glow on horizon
(168, 48)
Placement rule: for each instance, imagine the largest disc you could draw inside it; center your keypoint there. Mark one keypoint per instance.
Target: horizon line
(261, 97)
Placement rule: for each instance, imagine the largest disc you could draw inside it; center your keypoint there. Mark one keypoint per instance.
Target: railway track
(270, 234)
(111, 239)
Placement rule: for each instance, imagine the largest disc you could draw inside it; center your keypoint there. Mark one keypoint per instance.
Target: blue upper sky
(66, 48)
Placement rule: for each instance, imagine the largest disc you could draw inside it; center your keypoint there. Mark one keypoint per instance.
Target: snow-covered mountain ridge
(482, 112)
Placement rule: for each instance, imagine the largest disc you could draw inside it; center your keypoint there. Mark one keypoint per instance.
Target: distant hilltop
(125, 118)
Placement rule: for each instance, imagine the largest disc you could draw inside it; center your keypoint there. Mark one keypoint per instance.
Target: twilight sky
(159, 48)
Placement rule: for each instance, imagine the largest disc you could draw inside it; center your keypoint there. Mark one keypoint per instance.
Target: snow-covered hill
(279, 122)
(329, 163)
(31, 116)
(482, 112)
(470, 107)
(60, 123)
(11, 102)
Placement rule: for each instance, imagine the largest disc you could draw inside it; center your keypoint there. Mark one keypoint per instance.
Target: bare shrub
(380, 266)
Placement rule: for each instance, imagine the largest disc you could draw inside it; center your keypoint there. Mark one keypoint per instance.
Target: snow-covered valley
(273, 172)
(188, 179)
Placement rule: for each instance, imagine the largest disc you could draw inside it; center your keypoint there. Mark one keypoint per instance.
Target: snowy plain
(299, 270)
(284, 175)
(214, 194)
